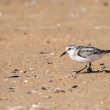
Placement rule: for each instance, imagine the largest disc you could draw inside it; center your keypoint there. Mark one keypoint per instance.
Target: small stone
(30, 69)
(42, 52)
(32, 91)
(18, 108)
(12, 89)
(70, 90)
(25, 33)
(105, 4)
(14, 76)
(58, 90)
(48, 41)
(15, 70)
(50, 62)
(43, 88)
(49, 97)
(25, 71)
(35, 105)
(26, 81)
(50, 80)
(102, 64)
(106, 71)
(21, 71)
(6, 79)
(84, 82)
(75, 86)
(73, 74)
(52, 53)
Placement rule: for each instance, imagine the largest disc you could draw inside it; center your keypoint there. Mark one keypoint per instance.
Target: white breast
(85, 60)
(89, 59)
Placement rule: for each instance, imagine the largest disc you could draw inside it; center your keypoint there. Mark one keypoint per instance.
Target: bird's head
(70, 49)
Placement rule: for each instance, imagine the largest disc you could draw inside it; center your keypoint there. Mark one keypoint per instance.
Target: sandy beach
(33, 34)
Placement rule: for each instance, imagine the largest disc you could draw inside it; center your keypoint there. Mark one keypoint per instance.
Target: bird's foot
(89, 70)
(74, 74)
(77, 72)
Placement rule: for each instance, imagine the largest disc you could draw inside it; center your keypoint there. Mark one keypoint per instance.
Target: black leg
(89, 69)
(81, 69)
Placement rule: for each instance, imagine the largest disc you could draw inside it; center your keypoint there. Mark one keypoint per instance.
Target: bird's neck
(71, 54)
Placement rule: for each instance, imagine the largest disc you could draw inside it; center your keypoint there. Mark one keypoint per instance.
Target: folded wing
(87, 52)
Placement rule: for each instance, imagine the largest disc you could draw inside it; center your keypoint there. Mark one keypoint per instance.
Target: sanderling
(84, 54)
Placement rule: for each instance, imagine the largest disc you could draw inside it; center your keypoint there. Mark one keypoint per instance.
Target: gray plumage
(85, 52)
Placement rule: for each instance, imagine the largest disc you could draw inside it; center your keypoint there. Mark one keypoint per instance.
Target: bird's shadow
(98, 71)
(91, 72)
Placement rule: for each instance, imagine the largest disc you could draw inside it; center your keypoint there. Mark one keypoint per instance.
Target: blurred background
(33, 34)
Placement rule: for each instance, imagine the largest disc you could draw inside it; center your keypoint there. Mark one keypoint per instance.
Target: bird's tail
(107, 51)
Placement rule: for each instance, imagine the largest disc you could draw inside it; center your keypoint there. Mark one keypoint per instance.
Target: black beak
(63, 54)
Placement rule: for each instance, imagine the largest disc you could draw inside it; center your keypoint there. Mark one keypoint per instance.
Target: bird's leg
(81, 69)
(76, 72)
(89, 69)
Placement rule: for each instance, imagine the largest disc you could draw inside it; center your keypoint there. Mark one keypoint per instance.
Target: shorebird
(84, 54)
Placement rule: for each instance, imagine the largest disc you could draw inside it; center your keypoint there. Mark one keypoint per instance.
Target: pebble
(105, 4)
(34, 106)
(30, 69)
(74, 86)
(6, 79)
(26, 81)
(48, 41)
(14, 76)
(43, 88)
(49, 62)
(12, 89)
(84, 82)
(58, 90)
(52, 53)
(15, 70)
(32, 91)
(18, 108)
(102, 64)
(43, 52)
(23, 71)
(50, 80)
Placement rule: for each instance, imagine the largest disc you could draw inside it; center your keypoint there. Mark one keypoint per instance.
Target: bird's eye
(69, 48)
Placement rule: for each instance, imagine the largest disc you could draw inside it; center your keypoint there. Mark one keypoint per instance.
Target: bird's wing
(87, 52)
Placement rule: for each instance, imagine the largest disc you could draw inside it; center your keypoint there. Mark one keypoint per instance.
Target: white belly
(86, 60)
(83, 60)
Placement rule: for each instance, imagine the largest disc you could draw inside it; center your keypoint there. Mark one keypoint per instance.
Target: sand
(33, 34)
